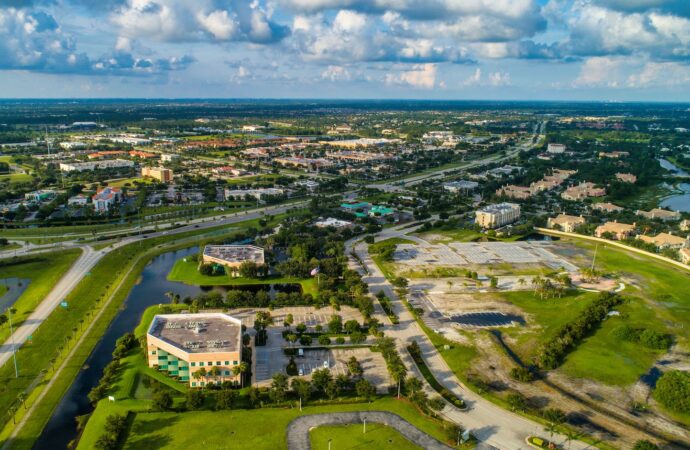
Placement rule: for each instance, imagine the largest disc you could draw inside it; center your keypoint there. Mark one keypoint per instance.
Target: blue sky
(433, 49)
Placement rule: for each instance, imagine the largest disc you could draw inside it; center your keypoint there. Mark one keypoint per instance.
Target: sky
(620, 50)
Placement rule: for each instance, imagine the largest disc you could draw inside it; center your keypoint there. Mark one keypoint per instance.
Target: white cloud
(336, 73)
(600, 71)
(498, 79)
(475, 79)
(421, 76)
(665, 74)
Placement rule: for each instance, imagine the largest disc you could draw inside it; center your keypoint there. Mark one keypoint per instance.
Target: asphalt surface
(298, 429)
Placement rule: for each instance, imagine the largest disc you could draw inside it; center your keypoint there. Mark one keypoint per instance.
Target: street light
(329, 444)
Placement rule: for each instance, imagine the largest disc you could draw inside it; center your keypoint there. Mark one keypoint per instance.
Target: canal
(679, 201)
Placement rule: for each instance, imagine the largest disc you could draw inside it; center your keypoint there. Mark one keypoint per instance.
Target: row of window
(210, 363)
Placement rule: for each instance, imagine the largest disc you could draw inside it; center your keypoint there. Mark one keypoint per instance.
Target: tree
(351, 326)
(225, 399)
(279, 387)
(354, 367)
(554, 415)
(413, 385)
(437, 403)
(195, 399)
(320, 378)
(302, 388)
(357, 337)
(249, 269)
(162, 400)
(398, 372)
(335, 325)
(289, 319)
(516, 401)
(365, 389)
(254, 396)
(332, 390)
(324, 340)
(673, 390)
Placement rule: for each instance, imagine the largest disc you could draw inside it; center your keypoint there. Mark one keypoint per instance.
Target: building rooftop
(499, 208)
(235, 253)
(565, 218)
(198, 333)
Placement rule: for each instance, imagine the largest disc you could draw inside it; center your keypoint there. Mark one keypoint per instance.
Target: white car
(325, 364)
(301, 372)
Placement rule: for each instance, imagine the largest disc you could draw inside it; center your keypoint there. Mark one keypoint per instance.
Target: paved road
(88, 260)
(298, 429)
(491, 424)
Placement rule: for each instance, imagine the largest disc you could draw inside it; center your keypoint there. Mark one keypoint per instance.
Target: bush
(645, 445)
(673, 391)
(324, 340)
(195, 399)
(437, 403)
(291, 368)
(305, 340)
(649, 338)
(357, 337)
(521, 374)
(340, 340)
(162, 400)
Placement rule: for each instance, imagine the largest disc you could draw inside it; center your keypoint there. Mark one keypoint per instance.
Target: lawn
(544, 317)
(378, 436)
(120, 182)
(186, 271)
(256, 429)
(44, 271)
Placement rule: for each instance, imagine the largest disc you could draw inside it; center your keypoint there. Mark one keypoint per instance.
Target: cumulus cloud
(660, 74)
(33, 40)
(336, 73)
(421, 76)
(197, 20)
(600, 71)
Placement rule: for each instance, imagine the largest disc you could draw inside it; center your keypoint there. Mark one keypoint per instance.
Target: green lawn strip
(256, 429)
(377, 436)
(613, 361)
(44, 270)
(101, 284)
(433, 382)
(3, 289)
(545, 315)
(12, 246)
(186, 271)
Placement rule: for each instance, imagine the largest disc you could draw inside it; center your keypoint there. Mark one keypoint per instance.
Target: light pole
(329, 444)
(365, 426)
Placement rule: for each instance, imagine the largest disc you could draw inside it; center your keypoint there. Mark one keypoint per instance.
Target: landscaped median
(99, 295)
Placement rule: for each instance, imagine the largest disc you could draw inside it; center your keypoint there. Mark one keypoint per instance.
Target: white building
(460, 186)
(104, 199)
(168, 157)
(78, 200)
(333, 222)
(72, 145)
(95, 165)
(555, 148)
(259, 194)
(498, 215)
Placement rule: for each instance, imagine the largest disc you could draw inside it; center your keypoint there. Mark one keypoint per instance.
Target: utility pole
(594, 258)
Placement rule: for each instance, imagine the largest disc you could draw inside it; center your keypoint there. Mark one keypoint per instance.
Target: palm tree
(450, 284)
(522, 282)
(398, 373)
(551, 429)
(570, 436)
(22, 398)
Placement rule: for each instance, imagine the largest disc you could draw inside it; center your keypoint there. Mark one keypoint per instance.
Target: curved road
(298, 429)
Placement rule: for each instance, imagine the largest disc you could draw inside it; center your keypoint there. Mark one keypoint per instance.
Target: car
(300, 352)
(325, 364)
(301, 372)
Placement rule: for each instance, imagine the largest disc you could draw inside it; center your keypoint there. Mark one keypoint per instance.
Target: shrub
(673, 390)
(162, 400)
(340, 340)
(645, 445)
(195, 399)
(437, 403)
(521, 374)
(291, 368)
(305, 340)
(324, 340)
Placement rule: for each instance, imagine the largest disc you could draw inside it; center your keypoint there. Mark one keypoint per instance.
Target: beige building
(685, 255)
(199, 349)
(565, 222)
(665, 240)
(626, 177)
(514, 191)
(607, 207)
(582, 191)
(685, 225)
(620, 231)
(233, 256)
(498, 215)
(658, 213)
(159, 173)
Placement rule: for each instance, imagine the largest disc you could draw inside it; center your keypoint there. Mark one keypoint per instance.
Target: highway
(90, 257)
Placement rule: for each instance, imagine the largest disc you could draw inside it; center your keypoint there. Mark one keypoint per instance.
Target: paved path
(490, 423)
(298, 429)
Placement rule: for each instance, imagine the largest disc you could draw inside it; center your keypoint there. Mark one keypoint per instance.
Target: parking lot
(271, 359)
(301, 314)
(480, 253)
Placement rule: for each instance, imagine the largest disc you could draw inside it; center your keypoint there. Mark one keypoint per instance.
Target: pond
(679, 201)
(15, 288)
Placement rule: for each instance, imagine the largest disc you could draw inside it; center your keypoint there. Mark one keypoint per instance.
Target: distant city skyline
(617, 50)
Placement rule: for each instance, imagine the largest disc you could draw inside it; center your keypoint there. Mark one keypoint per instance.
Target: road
(402, 185)
(90, 257)
(490, 423)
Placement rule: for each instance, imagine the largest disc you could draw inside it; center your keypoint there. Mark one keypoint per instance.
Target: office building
(498, 215)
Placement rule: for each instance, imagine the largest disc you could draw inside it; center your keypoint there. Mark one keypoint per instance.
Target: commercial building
(104, 199)
(380, 211)
(41, 195)
(619, 231)
(514, 191)
(72, 145)
(258, 194)
(460, 186)
(96, 165)
(555, 148)
(199, 349)
(498, 215)
(684, 254)
(658, 213)
(332, 222)
(168, 157)
(78, 200)
(361, 142)
(685, 225)
(565, 222)
(159, 173)
(232, 256)
(106, 154)
(142, 155)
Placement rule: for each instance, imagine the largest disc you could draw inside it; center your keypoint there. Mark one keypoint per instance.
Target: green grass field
(186, 271)
(122, 181)
(44, 271)
(342, 437)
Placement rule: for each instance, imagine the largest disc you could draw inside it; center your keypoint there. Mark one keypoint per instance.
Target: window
(193, 383)
(227, 363)
(210, 363)
(217, 363)
(234, 363)
(202, 383)
(227, 372)
(153, 352)
(201, 364)
(193, 364)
